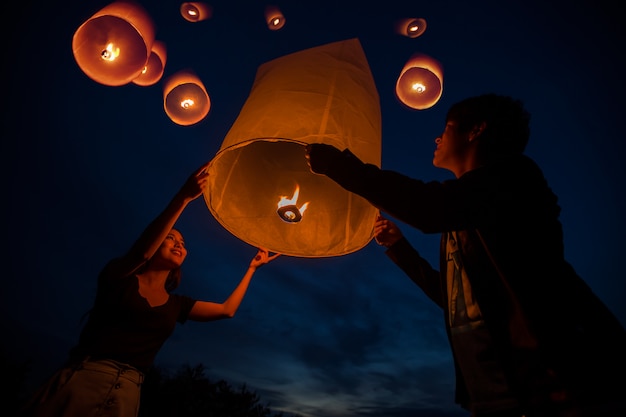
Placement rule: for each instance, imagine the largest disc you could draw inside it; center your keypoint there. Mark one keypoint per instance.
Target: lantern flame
(418, 87)
(110, 53)
(187, 104)
(287, 209)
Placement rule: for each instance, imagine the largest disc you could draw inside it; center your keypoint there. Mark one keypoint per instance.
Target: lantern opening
(287, 209)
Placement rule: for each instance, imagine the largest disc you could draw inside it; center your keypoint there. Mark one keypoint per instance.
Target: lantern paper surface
(154, 68)
(420, 83)
(185, 99)
(320, 95)
(113, 46)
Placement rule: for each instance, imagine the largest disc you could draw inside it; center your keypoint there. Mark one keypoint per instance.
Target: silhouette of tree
(189, 393)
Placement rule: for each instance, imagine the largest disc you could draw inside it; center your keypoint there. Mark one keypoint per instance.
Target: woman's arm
(208, 311)
(153, 235)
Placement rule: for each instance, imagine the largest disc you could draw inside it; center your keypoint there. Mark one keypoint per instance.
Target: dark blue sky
(87, 166)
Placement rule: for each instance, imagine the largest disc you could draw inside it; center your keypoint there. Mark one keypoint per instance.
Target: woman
(134, 313)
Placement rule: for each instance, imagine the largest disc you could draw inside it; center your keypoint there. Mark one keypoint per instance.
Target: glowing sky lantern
(113, 46)
(154, 68)
(196, 11)
(420, 83)
(185, 98)
(274, 18)
(411, 27)
(261, 188)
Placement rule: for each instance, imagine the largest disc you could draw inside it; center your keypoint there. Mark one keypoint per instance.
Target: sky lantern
(196, 11)
(274, 18)
(185, 98)
(261, 188)
(113, 46)
(154, 68)
(411, 27)
(420, 83)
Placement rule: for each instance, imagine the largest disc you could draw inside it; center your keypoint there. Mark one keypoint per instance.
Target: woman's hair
(507, 122)
(173, 279)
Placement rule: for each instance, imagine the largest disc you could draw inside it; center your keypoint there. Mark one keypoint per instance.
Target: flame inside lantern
(287, 209)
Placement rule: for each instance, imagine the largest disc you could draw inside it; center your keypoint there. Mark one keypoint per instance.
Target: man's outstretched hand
(319, 156)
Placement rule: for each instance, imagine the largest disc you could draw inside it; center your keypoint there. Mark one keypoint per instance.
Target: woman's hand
(262, 257)
(196, 184)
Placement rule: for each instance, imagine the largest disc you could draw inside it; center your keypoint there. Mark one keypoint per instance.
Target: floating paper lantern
(261, 188)
(113, 46)
(274, 18)
(185, 98)
(411, 27)
(420, 83)
(196, 11)
(154, 68)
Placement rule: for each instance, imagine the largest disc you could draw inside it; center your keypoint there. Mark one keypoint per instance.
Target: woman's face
(173, 249)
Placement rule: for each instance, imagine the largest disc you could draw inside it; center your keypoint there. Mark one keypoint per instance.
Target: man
(528, 336)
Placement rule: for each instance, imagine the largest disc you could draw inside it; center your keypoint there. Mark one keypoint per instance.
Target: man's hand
(386, 232)
(319, 156)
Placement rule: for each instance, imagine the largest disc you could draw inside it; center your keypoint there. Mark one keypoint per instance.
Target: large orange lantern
(194, 11)
(261, 188)
(274, 18)
(411, 27)
(113, 46)
(420, 83)
(185, 98)
(154, 68)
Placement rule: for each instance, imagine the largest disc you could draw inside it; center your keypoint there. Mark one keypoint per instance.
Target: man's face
(452, 147)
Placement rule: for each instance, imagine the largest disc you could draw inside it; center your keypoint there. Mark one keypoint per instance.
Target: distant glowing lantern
(420, 83)
(261, 162)
(274, 18)
(196, 11)
(113, 46)
(154, 68)
(185, 98)
(412, 27)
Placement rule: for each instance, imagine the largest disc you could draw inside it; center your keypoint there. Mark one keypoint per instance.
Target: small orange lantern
(411, 27)
(185, 98)
(154, 68)
(113, 46)
(261, 162)
(274, 18)
(420, 83)
(196, 11)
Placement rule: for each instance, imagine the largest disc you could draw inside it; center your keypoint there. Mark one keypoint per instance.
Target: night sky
(88, 166)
